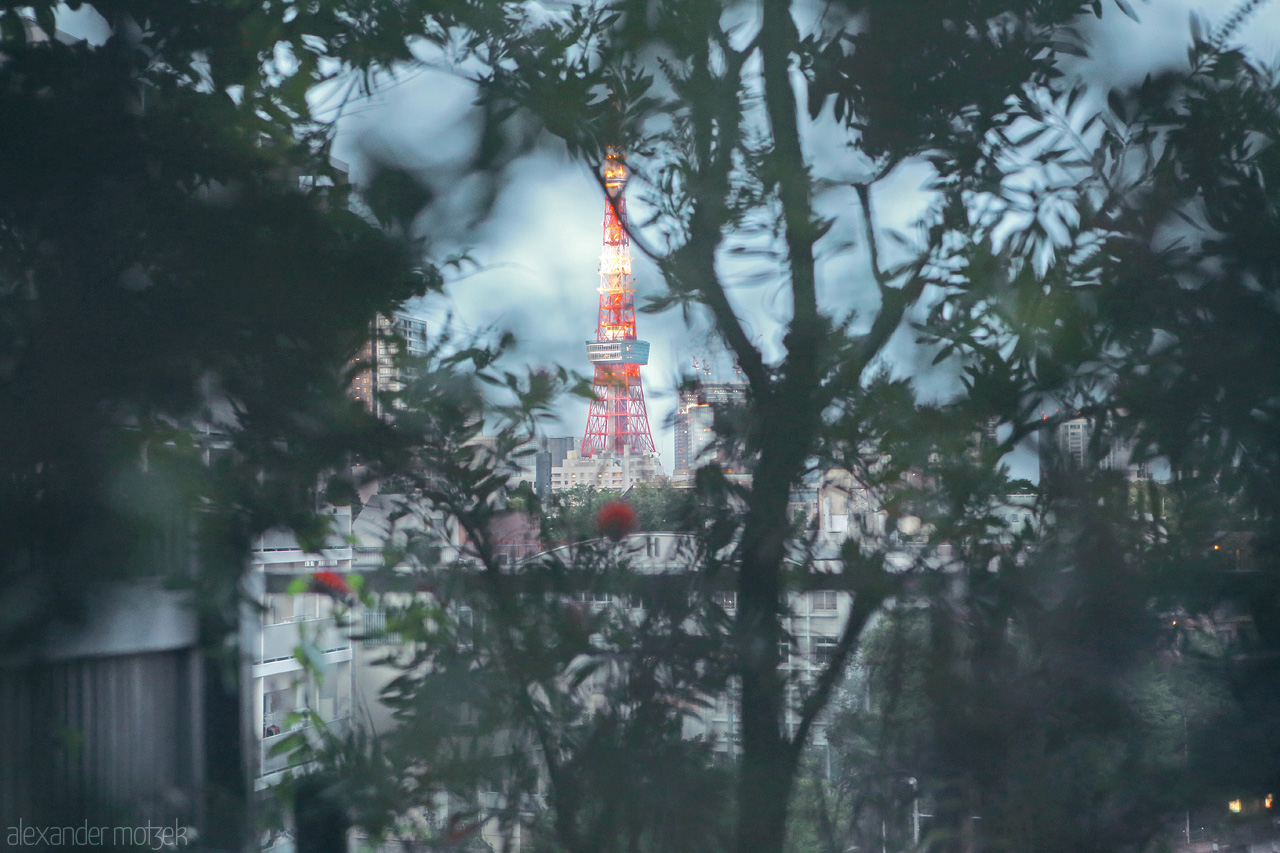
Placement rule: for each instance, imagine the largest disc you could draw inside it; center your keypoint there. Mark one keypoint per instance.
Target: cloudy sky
(537, 253)
(539, 249)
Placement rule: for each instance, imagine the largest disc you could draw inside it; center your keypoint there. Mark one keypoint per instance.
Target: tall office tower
(381, 373)
(695, 416)
(617, 423)
(552, 453)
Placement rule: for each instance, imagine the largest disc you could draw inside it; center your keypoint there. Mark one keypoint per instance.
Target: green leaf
(1123, 6)
(46, 18)
(395, 195)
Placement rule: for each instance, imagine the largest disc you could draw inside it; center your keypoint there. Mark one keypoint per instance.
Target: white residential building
(847, 508)
(813, 626)
(618, 472)
(289, 623)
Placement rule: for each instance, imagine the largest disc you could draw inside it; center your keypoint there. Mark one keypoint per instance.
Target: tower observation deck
(618, 421)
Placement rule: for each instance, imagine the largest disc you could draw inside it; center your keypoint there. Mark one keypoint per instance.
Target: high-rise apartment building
(1069, 444)
(389, 338)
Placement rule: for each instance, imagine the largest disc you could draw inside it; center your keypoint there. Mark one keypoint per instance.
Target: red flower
(458, 829)
(330, 583)
(616, 519)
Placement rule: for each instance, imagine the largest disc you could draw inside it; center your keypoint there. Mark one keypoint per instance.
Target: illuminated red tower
(618, 422)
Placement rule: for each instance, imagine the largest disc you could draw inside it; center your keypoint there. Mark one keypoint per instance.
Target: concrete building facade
(105, 722)
(281, 693)
(552, 451)
(618, 472)
(1071, 444)
(694, 425)
(813, 626)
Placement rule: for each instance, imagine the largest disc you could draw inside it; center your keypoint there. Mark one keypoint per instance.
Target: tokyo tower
(617, 422)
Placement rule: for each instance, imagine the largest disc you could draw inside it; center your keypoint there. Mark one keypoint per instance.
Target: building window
(374, 625)
(823, 601)
(728, 601)
(597, 600)
(466, 628)
(823, 649)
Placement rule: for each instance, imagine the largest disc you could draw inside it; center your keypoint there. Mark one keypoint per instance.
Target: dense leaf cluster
(162, 266)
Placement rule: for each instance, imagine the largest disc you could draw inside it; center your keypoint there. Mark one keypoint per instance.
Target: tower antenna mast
(618, 422)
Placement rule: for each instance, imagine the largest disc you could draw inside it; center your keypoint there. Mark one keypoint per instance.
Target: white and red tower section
(618, 422)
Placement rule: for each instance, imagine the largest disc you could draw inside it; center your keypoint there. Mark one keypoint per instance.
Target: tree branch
(893, 307)
(894, 302)
(716, 137)
(865, 603)
(506, 609)
(788, 169)
(864, 199)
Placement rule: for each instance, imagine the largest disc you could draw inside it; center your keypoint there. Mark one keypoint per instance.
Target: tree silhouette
(182, 290)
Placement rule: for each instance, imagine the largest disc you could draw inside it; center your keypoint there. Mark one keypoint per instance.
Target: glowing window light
(1267, 801)
(1234, 805)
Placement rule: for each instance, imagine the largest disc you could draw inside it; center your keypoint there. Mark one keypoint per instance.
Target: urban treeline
(1061, 685)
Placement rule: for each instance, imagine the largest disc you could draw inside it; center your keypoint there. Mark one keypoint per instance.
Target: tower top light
(615, 173)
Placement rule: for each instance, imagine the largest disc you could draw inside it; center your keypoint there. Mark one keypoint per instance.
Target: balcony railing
(275, 763)
(278, 642)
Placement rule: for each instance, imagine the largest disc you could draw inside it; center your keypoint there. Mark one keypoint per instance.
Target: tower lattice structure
(618, 422)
